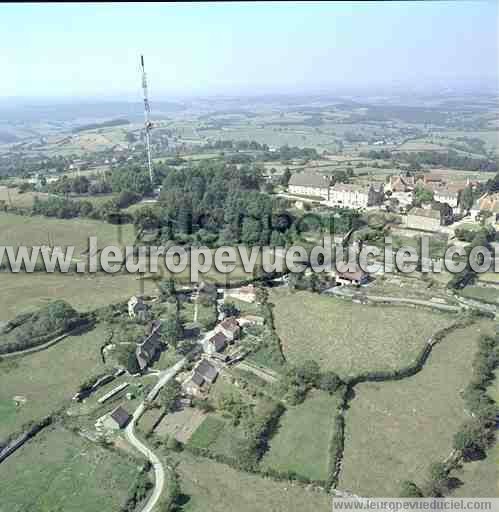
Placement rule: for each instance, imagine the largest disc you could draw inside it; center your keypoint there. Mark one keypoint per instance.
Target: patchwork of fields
(394, 430)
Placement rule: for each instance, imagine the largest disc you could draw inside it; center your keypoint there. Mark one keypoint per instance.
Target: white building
(355, 196)
(309, 184)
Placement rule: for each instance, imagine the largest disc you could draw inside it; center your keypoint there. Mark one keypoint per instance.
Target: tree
(173, 445)
(169, 330)
(329, 382)
(285, 177)
(471, 441)
(410, 490)
(169, 395)
(229, 309)
(307, 373)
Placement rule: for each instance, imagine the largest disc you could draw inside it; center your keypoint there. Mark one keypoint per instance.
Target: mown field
(210, 486)
(351, 338)
(296, 446)
(20, 230)
(24, 292)
(59, 471)
(394, 430)
(47, 379)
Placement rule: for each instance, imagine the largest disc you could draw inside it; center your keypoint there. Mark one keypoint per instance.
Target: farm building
(355, 278)
(216, 343)
(229, 328)
(149, 349)
(245, 293)
(117, 420)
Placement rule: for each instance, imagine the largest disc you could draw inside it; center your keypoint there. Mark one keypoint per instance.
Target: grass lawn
(395, 430)
(215, 487)
(24, 292)
(207, 433)
(351, 338)
(297, 447)
(49, 378)
(60, 471)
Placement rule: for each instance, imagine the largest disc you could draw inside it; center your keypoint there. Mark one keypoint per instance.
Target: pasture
(60, 471)
(351, 338)
(24, 292)
(18, 230)
(395, 430)
(297, 447)
(214, 487)
(48, 379)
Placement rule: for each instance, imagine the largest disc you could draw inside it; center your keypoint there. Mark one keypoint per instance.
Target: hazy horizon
(91, 52)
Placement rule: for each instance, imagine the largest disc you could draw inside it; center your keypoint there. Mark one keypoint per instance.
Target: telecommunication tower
(147, 120)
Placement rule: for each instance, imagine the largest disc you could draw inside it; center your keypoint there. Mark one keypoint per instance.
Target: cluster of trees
(478, 433)
(287, 153)
(481, 238)
(257, 423)
(237, 145)
(451, 159)
(33, 329)
(299, 379)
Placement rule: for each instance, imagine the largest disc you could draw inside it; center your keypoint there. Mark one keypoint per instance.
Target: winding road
(159, 470)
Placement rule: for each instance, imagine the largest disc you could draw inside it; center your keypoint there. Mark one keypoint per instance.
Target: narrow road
(159, 471)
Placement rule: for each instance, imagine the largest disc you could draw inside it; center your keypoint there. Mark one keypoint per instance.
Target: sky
(231, 49)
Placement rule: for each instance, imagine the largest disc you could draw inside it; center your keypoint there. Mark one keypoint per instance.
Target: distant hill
(104, 124)
(83, 111)
(7, 137)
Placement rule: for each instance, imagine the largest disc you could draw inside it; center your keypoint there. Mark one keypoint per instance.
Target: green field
(48, 379)
(351, 338)
(210, 486)
(394, 430)
(481, 478)
(24, 292)
(296, 446)
(207, 433)
(489, 294)
(20, 230)
(59, 471)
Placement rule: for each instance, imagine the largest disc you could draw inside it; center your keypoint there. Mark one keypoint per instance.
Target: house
(137, 308)
(355, 278)
(424, 219)
(250, 320)
(244, 293)
(150, 348)
(309, 184)
(194, 384)
(489, 202)
(216, 343)
(208, 371)
(402, 189)
(117, 419)
(355, 196)
(230, 328)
